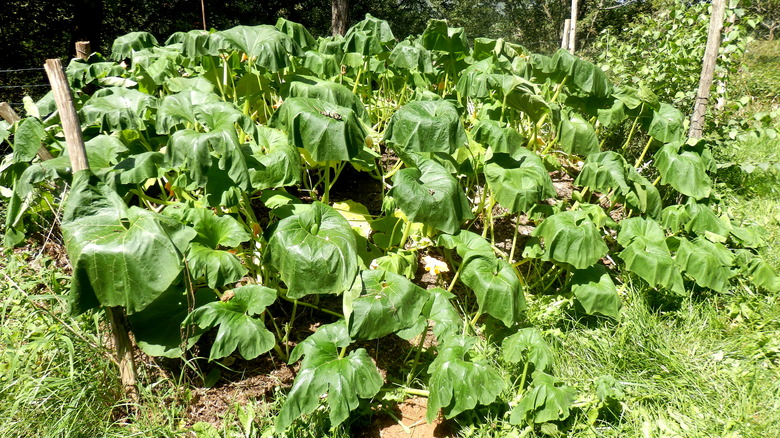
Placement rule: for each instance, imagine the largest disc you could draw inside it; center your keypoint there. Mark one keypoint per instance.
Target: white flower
(374, 264)
(435, 266)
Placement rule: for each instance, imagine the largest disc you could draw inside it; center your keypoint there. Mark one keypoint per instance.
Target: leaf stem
(407, 231)
(514, 240)
(313, 306)
(644, 151)
(418, 351)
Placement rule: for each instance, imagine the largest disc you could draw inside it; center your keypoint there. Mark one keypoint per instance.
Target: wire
(22, 86)
(21, 69)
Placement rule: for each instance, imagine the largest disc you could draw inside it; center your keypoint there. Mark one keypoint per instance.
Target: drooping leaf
(379, 29)
(501, 139)
(441, 38)
(706, 262)
(431, 195)
(647, 255)
(327, 131)
(125, 45)
(666, 125)
(27, 139)
(596, 291)
(320, 89)
(158, 328)
(265, 45)
(238, 329)
(178, 110)
(388, 303)
(582, 75)
(411, 56)
(401, 262)
(120, 256)
(278, 163)
(571, 237)
(219, 267)
(576, 135)
(547, 400)
(314, 251)
(494, 282)
(297, 32)
(528, 345)
(519, 179)
(117, 108)
(457, 384)
(426, 126)
(683, 169)
(324, 374)
(464, 242)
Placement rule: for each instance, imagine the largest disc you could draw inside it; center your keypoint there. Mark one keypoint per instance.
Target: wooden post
(83, 50)
(9, 115)
(566, 29)
(78, 160)
(707, 69)
(573, 29)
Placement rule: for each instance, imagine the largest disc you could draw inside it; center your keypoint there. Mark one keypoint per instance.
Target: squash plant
(214, 160)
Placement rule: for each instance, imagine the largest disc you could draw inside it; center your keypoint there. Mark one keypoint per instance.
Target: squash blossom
(435, 266)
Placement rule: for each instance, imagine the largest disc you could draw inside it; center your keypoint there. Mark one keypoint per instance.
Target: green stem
(420, 392)
(559, 88)
(525, 373)
(407, 231)
(630, 133)
(455, 278)
(326, 195)
(418, 351)
(313, 306)
(342, 352)
(514, 240)
(144, 197)
(644, 151)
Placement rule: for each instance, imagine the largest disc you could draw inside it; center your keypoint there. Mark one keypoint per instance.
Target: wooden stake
(573, 29)
(79, 162)
(9, 115)
(83, 50)
(707, 69)
(566, 29)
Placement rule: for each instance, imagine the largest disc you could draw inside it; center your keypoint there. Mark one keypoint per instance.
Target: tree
(769, 11)
(340, 10)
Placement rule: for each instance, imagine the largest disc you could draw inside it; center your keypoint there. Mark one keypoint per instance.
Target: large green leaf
(117, 108)
(683, 169)
(441, 38)
(202, 154)
(411, 56)
(388, 303)
(327, 374)
(647, 255)
(158, 328)
(265, 45)
(120, 256)
(706, 262)
(379, 29)
(219, 267)
(518, 179)
(431, 195)
(500, 138)
(237, 327)
(457, 384)
(547, 400)
(666, 125)
(27, 139)
(576, 135)
(464, 242)
(297, 32)
(278, 163)
(361, 43)
(324, 90)
(327, 131)
(314, 251)
(571, 237)
(528, 346)
(178, 110)
(426, 126)
(582, 75)
(495, 283)
(125, 45)
(596, 291)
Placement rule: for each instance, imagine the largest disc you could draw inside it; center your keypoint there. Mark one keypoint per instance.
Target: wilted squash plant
(210, 203)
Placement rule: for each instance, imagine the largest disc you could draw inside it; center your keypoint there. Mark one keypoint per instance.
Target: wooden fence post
(79, 162)
(707, 69)
(566, 29)
(83, 50)
(9, 115)
(573, 29)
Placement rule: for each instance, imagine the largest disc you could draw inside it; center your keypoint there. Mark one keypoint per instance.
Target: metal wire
(22, 86)
(21, 69)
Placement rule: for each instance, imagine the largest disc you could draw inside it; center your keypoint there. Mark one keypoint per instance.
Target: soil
(403, 420)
